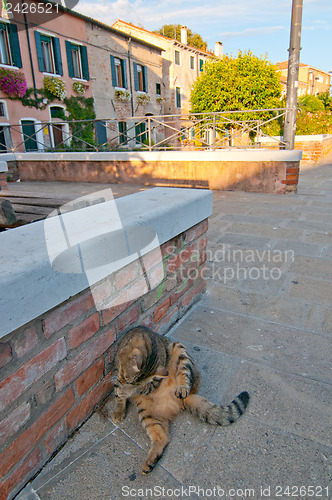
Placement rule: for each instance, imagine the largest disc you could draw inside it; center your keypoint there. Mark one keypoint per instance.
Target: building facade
(312, 81)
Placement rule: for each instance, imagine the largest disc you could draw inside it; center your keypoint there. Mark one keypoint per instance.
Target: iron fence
(203, 131)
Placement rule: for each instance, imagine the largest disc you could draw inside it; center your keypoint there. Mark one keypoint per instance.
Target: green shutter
(85, 64)
(135, 76)
(124, 69)
(14, 45)
(57, 56)
(145, 79)
(113, 71)
(69, 59)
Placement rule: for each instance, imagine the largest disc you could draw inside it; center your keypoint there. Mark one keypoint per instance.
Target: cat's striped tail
(213, 414)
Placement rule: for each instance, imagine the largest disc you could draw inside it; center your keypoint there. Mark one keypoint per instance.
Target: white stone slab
(32, 256)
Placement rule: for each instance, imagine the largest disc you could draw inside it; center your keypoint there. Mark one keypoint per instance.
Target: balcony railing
(203, 131)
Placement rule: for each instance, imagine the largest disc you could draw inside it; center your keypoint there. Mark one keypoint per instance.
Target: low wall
(245, 170)
(59, 329)
(3, 175)
(315, 148)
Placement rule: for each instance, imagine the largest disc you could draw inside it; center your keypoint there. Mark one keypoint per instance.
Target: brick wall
(314, 148)
(57, 368)
(3, 180)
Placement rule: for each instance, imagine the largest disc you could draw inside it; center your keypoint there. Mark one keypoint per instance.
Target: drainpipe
(130, 81)
(26, 24)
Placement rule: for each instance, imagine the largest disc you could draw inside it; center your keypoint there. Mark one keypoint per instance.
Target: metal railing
(201, 131)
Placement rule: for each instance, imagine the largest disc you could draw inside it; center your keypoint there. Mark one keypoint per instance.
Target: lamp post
(293, 74)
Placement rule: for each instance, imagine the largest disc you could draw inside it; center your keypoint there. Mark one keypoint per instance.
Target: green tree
(236, 83)
(174, 31)
(310, 103)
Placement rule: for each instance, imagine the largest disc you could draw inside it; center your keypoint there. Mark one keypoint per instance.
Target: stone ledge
(31, 286)
(228, 155)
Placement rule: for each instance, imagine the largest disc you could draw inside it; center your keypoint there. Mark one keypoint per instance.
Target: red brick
(30, 437)
(292, 170)
(25, 342)
(181, 290)
(55, 438)
(152, 259)
(164, 325)
(82, 411)
(65, 314)
(178, 260)
(102, 291)
(84, 360)
(196, 231)
(15, 385)
(132, 293)
(128, 274)
(193, 293)
(290, 182)
(5, 354)
(155, 275)
(84, 331)
(292, 176)
(31, 464)
(168, 249)
(15, 420)
(90, 377)
(128, 318)
(161, 310)
(108, 315)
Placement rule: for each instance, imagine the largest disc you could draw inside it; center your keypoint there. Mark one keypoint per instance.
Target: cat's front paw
(182, 392)
(118, 415)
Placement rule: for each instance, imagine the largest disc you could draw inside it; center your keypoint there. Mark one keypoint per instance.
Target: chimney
(218, 50)
(184, 35)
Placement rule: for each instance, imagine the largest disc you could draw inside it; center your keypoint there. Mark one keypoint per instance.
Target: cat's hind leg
(158, 432)
(187, 376)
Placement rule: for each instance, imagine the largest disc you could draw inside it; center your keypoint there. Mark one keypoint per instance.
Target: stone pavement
(264, 326)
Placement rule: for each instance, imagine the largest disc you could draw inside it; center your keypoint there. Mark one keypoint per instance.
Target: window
(201, 65)
(10, 53)
(140, 133)
(178, 97)
(123, 133)
(140, 77)
(119, 73)
(177, 57)
(48, 53)
(3, 109)
(192, 62)
(158, 89)
(77, 59)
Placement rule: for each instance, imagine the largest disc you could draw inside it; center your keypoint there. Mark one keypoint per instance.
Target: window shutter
(135, 76)
(57, 56)
(85, 64)
(113, 71)
(15, 45)
(145, 81)
(69, 59)
(39, 51)
(124, 67)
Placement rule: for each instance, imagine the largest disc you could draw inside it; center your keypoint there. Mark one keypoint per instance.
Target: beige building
(182, 64)
(312, 81)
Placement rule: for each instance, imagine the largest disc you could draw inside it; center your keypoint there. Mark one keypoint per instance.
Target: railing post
(149, 133)
(214, 133)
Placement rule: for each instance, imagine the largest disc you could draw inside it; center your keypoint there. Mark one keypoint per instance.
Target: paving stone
(265, 231)
(310, 289)
(313, 267)
(252, 455)
(295, 351)
(298, 247)
(302, 405)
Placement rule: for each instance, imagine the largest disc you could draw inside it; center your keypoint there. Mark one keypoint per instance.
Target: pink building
(53, 55)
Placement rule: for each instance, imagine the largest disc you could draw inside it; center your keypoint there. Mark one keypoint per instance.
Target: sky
(261, 26)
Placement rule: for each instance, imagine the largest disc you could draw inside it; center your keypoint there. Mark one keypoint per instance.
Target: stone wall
(56, 368)
(3, 175)
(246, 170)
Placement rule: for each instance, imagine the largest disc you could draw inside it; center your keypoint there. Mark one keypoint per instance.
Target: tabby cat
(160, 377)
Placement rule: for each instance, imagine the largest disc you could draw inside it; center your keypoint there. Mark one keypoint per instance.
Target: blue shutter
(135, 76)
(14, 45)
(41, 64)
(145, 79)
(124, 67)
(113, 71)
(69, 59)
(85, 64)
(57, 56)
